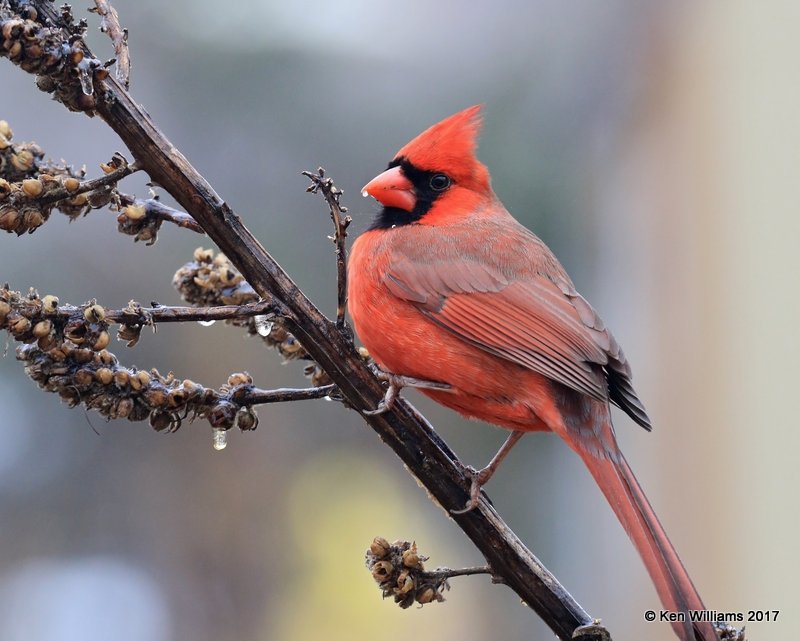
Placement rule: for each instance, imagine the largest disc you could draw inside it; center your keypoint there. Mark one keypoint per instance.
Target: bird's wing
(538, 322)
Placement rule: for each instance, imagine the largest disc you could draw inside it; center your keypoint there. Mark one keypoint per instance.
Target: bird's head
(436, 177)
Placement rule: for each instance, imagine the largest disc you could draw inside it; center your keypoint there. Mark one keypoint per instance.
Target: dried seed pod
(121, 378)
(129, 333)
(11, 29)
(5, 308)
(82, 356)
(124, 408)
(161, 421)
(222, 415)
(102, 341)
(17, 324)
(50, 304)
(156, 397)
(46, 342)
(22, 160)
(9, 218)
(411, 559)
(42, 328)
(84, 377)
(380, 547)
(104, 376)
(106, 358)
(71, 184)
(5, 186)
(76, 332)
(134, 382)
(148, 235)
(137, 211)
(5, 130)
(94, 313)
(203, 255)
(426, 594)
(381, 570)
(246, 419)
(176, 398)
(15, 50)
(32, 187)
(405, 582)
(80, 200)
(32, 219)
(240, 378)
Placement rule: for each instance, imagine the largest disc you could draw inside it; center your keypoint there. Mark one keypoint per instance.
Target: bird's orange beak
(392, 189)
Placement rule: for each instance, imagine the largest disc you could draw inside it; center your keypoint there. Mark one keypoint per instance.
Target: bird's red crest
(448, 145)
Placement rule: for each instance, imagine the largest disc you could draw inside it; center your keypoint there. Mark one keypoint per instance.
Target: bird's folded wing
(534, 322)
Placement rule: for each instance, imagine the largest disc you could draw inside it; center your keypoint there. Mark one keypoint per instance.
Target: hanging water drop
(86, 80)
(365, 194)
(207, 323)
(263, 326)
(219, 439)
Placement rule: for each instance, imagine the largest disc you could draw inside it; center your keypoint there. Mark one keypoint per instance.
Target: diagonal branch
(403, 428)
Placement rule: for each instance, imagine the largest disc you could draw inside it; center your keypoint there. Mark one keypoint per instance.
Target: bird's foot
(478, 478)
(398, 382)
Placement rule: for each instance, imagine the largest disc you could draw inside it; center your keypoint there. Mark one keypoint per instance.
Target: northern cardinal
(450, 293)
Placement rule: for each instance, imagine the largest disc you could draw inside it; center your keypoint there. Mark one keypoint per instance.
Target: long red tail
(672, 582)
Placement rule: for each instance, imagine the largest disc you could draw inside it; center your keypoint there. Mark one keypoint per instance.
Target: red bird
(450, 293)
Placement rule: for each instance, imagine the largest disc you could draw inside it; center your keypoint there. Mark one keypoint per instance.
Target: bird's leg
(398, 382)
(481, 477)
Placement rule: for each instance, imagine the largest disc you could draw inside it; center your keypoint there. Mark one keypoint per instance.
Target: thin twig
(119, 38)
(260, 396)
(62, 193)
(135, 314)
(442, 574)
(332, 194)
(164, 314)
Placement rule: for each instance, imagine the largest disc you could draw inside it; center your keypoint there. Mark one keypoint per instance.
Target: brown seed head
(94, 313)
(381, 570)
(380, 547)
(32, 187)
(104, 376)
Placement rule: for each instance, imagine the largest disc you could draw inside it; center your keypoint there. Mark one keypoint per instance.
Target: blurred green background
(653, 145)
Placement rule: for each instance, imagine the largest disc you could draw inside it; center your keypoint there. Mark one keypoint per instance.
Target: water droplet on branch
(219, 439)
(263, 326)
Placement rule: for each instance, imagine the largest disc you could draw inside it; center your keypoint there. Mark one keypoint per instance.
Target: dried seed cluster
(28, 183)
(136, 220)
(54, 53)
(66, 354)
(398, 570)
(211, 280)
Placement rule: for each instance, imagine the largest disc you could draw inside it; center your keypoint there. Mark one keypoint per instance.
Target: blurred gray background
(653, 145)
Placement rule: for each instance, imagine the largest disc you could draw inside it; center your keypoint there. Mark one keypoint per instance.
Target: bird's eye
(439, 182)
